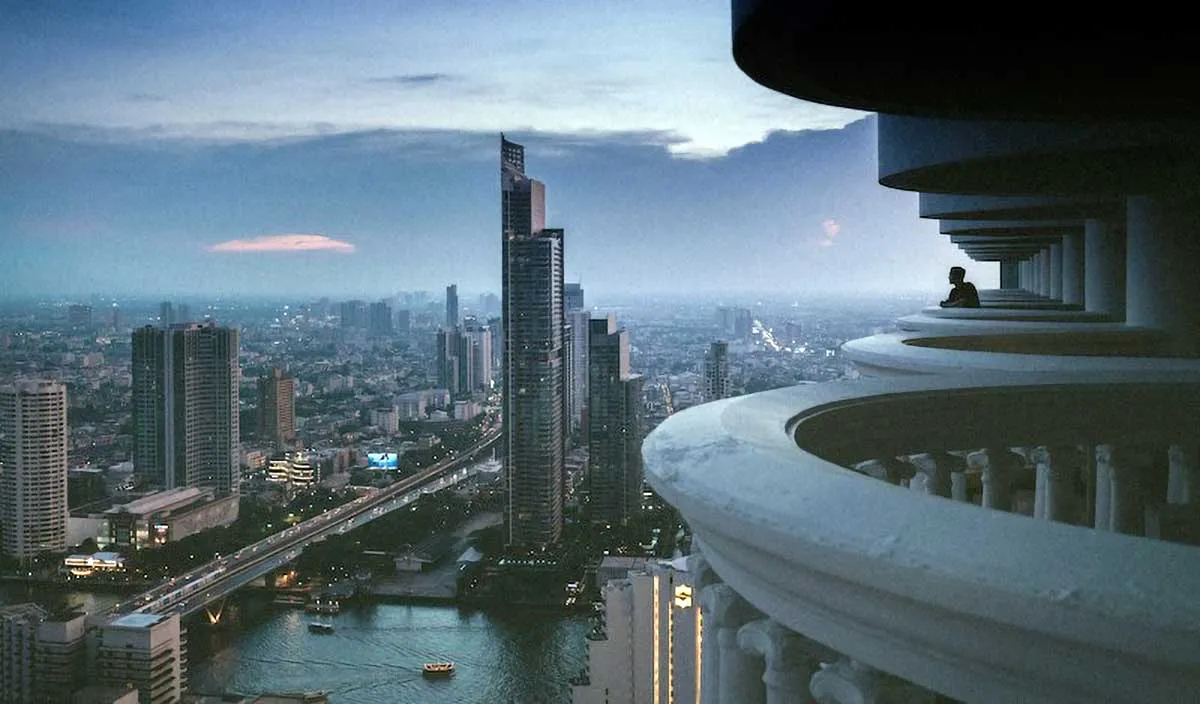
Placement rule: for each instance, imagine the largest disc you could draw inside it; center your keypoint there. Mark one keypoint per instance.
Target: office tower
(573, 297)
(648, 646)
(145, 650)
(448, 359)
(277, 408)
(403, 321)
(166, 314)
(734, 323)
(185, 406)
(496, 326)
(18, 640)
(534, 364)
(489, 304)
(614, 425)
(579, 321)
(79, 316)
(716, 371)
(353, 315)
(115, 321)
(379, 319)
(452, 306)
(479, 339)
(183, 314)
(33, 468)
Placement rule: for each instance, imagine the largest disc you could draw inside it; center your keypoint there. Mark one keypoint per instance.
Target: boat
(437, 669)
(320, 628)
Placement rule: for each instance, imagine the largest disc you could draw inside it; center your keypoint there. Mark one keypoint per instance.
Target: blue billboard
(383, 460)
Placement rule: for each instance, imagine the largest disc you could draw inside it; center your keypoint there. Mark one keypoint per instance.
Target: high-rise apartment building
(403, 321)
(185, 406)
(353, 315)
(716, 371)
(648, 646)
(166, 314)
(60, 656)
(379, 319)
(33, 468)
(534, 357)
(145, 650)
(614, 426)
(18, 641)
(277, 408)
(479, 340)
(734, 323)
(452, 306)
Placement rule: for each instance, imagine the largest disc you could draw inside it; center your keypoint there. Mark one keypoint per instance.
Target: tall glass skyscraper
(534, 357)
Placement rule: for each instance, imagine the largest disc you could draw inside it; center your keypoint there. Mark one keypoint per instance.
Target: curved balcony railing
(936, 594)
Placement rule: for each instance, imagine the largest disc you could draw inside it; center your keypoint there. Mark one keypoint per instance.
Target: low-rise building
(163, 516)
(147, 651)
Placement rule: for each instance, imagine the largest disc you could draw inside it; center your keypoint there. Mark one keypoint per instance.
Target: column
(1183, 474)
(740, 674)
(1056, 275)
(1009, 278)
(790, 659)
(1104, 268)
(1125, 499)
(1162, 289)
(1072, 269)
(1103, 485)
(888, 469)
(1057, 469)
(996, 466)
(1045, 271)
(937, 469)
(848, 681)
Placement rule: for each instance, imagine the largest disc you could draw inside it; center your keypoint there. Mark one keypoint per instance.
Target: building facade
(716, 372)
(33, 468)
(648, 645)
(452, 306)
(185, 406)
(277, 408)
(18, 642)
(614, 426)
(535, 413)
(147, 651)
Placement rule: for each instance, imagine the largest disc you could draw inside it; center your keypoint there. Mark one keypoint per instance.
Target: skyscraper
(716, 371)
(33, 468)
(534, 357)
(573, 297)
(277, 407)
(379, 319)
(353, 315)
(185, 406)
(166, 314)
(614, 425)
(578, 319)
(452, 306)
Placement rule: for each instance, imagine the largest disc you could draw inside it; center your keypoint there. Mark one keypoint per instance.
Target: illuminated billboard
(383, 460)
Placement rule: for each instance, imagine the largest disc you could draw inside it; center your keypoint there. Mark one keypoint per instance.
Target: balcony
(849, 551)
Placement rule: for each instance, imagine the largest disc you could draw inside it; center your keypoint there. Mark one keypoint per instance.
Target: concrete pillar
(1183, 474)
(1058, 470)
(1009, 278)
(740, 674)
(1103, 485)
(1104, 268)
(1056, 275)
(703, 578)
(848, 681)
(1072, 269)
(1162, 289)
(1126, 496)
(888, 469)
(936, 469)
(997, 466)
(790, 659)
(1045, 272)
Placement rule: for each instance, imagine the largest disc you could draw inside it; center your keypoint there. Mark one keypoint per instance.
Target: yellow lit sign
(683, 596)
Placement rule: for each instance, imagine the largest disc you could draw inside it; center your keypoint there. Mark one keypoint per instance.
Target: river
(375, 653)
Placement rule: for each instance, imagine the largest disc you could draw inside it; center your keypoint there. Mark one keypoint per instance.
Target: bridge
(210, 583)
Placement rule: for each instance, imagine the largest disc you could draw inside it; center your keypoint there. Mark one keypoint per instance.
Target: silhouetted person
(963, 295)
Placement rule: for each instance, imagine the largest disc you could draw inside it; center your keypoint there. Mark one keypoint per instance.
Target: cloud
(830, 229)
(413, 80)
(284, 243)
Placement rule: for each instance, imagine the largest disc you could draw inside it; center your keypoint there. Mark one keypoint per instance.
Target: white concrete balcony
(921, 593)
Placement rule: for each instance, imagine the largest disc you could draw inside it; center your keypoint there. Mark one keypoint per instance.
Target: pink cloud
(830, 228)
(284, 243)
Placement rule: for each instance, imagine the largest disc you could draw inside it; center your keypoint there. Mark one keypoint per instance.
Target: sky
(351, 148)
